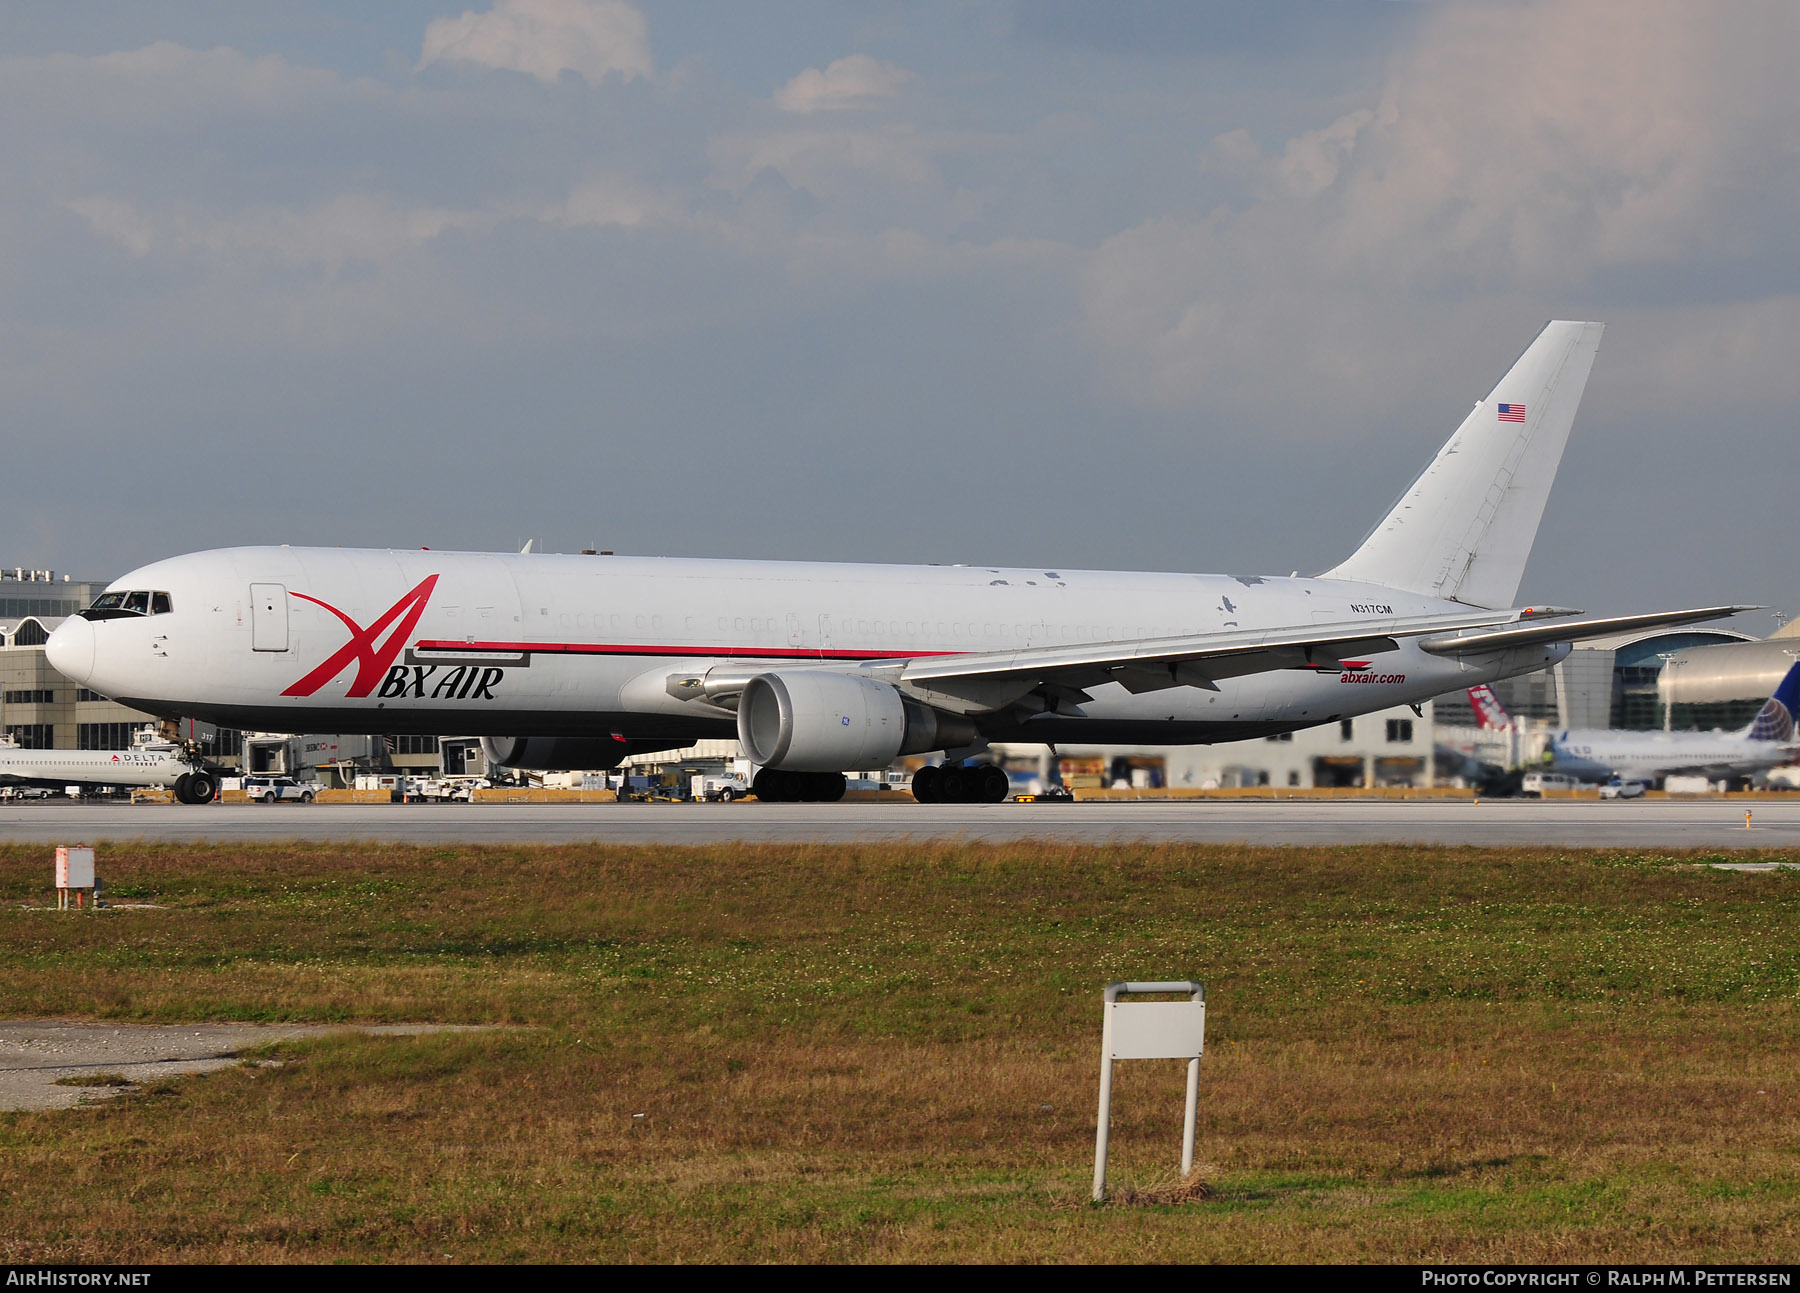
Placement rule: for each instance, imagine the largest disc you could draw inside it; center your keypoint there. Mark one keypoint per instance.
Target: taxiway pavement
(40, 1058)
(1657, 824)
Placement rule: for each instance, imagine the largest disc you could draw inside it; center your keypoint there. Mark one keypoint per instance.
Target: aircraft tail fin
(1463, 530)
(1775, 722)
(1490, 714)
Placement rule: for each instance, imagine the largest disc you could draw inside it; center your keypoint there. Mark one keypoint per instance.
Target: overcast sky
(1177, 285)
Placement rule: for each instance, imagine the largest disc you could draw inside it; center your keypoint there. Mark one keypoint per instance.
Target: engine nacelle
(566, 753)
(812, 720)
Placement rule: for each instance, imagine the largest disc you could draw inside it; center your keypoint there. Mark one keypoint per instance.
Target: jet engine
(812, 720)
(566, 753)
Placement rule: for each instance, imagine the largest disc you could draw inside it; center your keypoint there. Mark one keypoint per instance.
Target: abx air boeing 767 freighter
(819, 668)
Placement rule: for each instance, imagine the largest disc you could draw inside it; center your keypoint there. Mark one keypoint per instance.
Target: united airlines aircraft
(576, 661)
(1598, 754)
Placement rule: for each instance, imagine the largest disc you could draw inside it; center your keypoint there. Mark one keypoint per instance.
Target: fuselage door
(268, 617)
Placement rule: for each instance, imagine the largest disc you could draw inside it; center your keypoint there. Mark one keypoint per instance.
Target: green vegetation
(890, 1052)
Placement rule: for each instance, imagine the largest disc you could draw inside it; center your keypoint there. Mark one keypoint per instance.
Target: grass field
(891, 1053)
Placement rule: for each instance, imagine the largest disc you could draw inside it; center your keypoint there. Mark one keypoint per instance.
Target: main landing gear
(953, 783)
(194, 788)
(773, 786)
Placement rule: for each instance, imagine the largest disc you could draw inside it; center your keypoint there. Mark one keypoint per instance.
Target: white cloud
(829, 163)
(852, 82)
(1520, 160)
(601, 202)
(545, 38)
(352, 228)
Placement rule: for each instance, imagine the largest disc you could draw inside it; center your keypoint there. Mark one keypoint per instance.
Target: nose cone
(70, 649)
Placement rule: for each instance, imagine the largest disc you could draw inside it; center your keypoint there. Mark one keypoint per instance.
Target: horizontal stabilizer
(1480, 643)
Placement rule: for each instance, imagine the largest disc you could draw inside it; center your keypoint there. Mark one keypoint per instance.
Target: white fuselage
(1598, 754)
(156, 765)
(325, 639)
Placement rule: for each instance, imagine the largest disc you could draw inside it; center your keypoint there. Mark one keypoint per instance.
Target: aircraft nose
(70, 649)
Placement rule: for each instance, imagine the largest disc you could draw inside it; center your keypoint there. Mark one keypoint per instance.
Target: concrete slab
(36, 1054)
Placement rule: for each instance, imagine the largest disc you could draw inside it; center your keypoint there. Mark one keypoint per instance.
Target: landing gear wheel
(953, 785)
(200, 787)
(926, 783)
(770, 786)
(180, 788)
(832, 787)
(993, 783)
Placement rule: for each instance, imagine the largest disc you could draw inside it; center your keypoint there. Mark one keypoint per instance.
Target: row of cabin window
(864, 629)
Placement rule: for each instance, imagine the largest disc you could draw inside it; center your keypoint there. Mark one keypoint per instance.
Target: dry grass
(891, 1053)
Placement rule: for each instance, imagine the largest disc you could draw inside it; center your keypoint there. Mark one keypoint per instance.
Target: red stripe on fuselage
(605, 648)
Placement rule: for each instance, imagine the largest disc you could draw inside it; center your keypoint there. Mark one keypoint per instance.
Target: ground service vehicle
(269, 790)
(720, 787)
(1536, 783)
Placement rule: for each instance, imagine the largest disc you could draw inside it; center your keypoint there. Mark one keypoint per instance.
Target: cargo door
(268, 617)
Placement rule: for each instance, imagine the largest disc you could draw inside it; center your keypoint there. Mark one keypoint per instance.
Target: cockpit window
(115, 606)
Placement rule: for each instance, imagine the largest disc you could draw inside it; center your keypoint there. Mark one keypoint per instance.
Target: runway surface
(1659, 824)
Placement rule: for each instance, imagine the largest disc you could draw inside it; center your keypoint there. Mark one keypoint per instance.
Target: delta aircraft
(146, 763)
(1603, 753)
(819, 668)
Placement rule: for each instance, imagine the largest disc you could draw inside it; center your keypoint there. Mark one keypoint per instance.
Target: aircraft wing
(1480, 642)
(995, 678)
(992, 679)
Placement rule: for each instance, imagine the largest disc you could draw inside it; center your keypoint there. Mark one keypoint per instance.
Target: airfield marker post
(1150, 1030)
(74, 873)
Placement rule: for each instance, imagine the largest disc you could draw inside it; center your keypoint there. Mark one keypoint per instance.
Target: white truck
(719, 787)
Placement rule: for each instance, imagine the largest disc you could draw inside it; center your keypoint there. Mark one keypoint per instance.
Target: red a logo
(372, 661)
